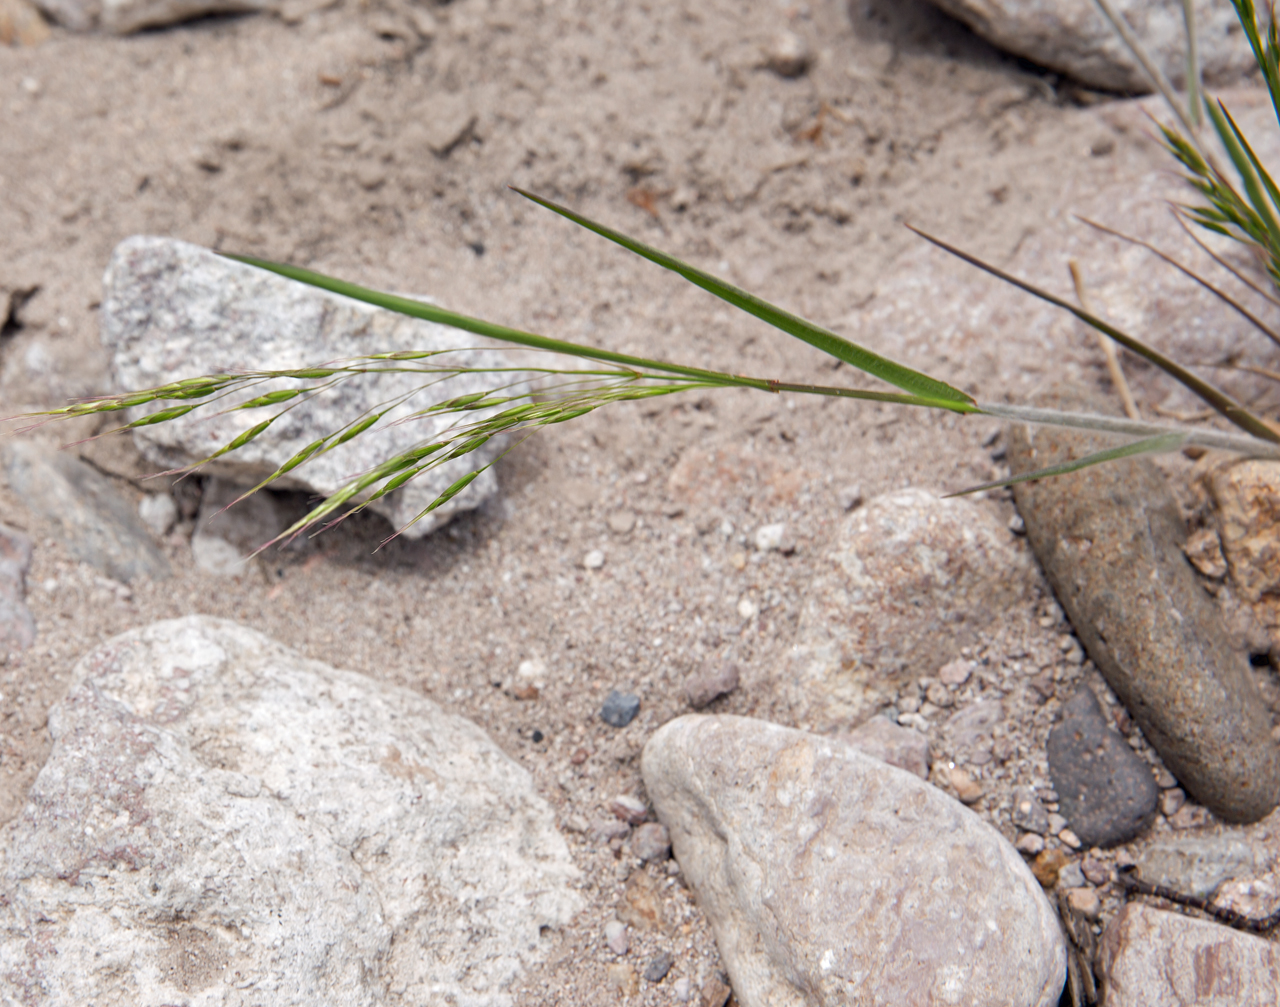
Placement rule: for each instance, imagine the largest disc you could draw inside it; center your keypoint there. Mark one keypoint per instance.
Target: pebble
(1109, 540)
(955, 672)
(1095, 871)
(1196, 865)
(1047, 865)
(683, 989)
(1107, 793)
(623, 978)
(593, 560)
(1085, 901)
(617, 937)
(815, 865)
(903, 747)
(159, 512)
(1028, 813)
(1189, 816)
(620, 708)
(747, 608)
(622, 521)
(1056, 823)
(974, 722)
(651, 842)
(629, 809)
(771, 537)
(849, 497)
(1070, 840)
(1171, 801)
(84, 510)
(605, 830)
(710, 681)
(658, 967)
(1070, 875)
(967, 789)
(1164, 778)
(1030, 844)
(788, 55)
(1151, 958)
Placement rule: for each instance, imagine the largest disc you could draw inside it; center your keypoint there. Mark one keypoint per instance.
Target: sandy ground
(375, 141)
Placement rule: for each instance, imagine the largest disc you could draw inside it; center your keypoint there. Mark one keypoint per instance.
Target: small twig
(1108, 347)
(1230, 917)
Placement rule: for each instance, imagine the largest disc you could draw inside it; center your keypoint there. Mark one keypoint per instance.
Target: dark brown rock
(1110, 541)
(1107, 793)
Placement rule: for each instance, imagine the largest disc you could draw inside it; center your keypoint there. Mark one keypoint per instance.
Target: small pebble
(1085, 901)
(1017, 525)
(622, 521)
(1164, 778)
(617, 937)
(593, 560)
(1030, 844)
(1070, 839)
(738, 560)
(605, 830)
(1189, 816)
(748, 609)
(966, 787)
(683, 989)
(710, 682)
(787, 55)
(1095, 871)
(771, 537)
(1028, 814)
(1047, 865)
(939, 695)
(1171, 800)
(1071, 876)
(620, 708)
(955, 672)
(629, 809)
(1057, 823)
(1043, 686)
(651, 842)
(658, 967)
(158, 512)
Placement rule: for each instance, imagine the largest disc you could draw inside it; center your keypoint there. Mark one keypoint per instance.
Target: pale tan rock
(1151, 958)
(20, 23)
(832, 878)
(1246, 500)
(1072, 36)
(912, 578)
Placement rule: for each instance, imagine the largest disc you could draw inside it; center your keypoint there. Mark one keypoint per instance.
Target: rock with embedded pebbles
(222, 821)
(830, 877)
(173, 310)
(84, 511)
(1109, 538)
(1196, 865)
(1151, 958)
(911, 580)
(1106, 792)
(1075, 38)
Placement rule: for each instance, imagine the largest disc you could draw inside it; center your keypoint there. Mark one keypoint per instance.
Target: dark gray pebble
(658, 967)
(1110, 541)
(620, 708)
(1107, 793)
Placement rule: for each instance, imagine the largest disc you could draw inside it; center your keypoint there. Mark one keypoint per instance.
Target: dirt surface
(376, 141)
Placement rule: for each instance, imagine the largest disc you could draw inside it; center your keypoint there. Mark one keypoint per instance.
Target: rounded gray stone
(832, 878)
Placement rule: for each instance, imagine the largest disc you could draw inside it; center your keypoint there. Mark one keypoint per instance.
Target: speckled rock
(911, 579)
(1152, 958)
(171, 310)
(1109, 539)
(221, 821)
(1106, 792)
(1073, 37)
(84, 511)
(832, 878)
(17, 625)
(1196, 865)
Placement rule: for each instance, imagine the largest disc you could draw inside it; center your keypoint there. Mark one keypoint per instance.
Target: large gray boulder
(222, 821)
(831, 878)
(1075, 38)
(172, 310)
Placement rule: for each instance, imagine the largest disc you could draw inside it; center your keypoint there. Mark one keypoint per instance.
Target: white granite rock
(173, 310)
(123, 17)
(911, 580)
(222, 821)
(1151, 958)
(1073, 36)
(833, 878)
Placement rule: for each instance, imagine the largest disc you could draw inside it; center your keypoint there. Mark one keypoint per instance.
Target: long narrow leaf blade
(1219, 400)
(815, 335)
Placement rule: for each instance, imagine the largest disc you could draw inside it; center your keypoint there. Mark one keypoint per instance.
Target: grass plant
(585, 378)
